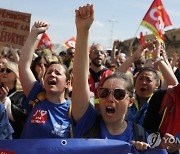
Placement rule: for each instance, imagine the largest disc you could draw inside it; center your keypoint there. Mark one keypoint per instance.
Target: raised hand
(40, 27)
(138, 53)
(84, 17)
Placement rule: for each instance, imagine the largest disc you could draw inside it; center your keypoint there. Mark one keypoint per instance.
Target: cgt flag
(44, 42)
(156, 19)
(70, 43)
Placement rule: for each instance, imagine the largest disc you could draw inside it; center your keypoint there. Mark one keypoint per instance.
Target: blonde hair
(14, 68)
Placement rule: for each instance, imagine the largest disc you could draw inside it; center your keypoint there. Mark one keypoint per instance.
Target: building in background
(172, 41)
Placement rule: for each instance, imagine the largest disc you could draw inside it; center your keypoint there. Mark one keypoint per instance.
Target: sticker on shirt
(59, 130)
(39, 117)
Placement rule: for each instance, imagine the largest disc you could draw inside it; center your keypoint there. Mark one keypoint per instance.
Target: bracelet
(158, 59)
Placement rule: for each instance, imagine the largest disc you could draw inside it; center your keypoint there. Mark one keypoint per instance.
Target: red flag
(70, 43)
(141, 39)
(156, 19)
(44, 42)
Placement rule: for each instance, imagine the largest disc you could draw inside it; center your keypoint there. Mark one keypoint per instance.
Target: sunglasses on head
(119, 94)
(98, 51)
(5, 70)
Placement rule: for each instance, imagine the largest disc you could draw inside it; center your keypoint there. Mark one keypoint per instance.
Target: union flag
(70, 43)
(156, 19)
(44, 42)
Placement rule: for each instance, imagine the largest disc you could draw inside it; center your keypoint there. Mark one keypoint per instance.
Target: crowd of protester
(85, 92)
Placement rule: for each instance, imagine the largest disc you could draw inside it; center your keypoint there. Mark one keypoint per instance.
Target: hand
(140, 145)
(141, 48)
(3, 93)
(7, 102)
(158, 48)
(116, 42)
(84, 17)
(40, 27)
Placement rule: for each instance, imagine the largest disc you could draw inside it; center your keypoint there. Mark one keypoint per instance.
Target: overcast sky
(114, 19)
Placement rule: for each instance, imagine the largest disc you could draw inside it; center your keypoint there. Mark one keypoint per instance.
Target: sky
(114, 19)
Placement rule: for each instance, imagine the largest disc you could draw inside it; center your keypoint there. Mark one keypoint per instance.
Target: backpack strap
(69, 116)
(39, 97)
(139, 132)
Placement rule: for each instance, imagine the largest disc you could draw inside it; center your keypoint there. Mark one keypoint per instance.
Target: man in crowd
(97, 70)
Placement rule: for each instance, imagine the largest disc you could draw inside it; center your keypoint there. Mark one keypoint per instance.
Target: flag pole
(130, 47)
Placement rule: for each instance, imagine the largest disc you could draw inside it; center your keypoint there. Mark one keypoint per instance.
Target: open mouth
(98, 59)
(110, 110)
(52, 82)
(143, 89)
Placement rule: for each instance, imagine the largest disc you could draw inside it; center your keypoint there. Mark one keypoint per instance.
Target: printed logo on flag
(46, 42)
(156, 19)
(39, 117)
(71, 43)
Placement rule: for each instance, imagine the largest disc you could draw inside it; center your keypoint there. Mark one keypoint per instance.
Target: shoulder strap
(139, 132)
(39, 97)
(69, 116)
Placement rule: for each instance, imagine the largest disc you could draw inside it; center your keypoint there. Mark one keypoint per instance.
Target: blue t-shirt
(46, 119)
(87, 121)
(6, 129)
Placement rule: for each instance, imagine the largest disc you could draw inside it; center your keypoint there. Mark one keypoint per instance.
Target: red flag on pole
(44, 42)
(141, 39)
(156, 19)
(70, 43)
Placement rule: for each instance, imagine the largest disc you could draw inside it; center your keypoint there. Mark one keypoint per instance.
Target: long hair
(14, 68)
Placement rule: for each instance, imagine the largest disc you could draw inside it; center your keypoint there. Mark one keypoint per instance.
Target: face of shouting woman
(55, 79)
(114, 100)
(146, 84)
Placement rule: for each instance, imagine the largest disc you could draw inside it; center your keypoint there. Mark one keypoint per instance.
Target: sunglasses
(71, 53)
(119, 94)
(98, 51)
(5, 70)
(140, 63)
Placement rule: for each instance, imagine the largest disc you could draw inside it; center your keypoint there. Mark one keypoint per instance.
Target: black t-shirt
(153, 118)
(177, 74)
(19, 113)
(97, 75)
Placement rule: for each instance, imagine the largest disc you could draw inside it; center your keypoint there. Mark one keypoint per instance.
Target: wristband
(158, 59)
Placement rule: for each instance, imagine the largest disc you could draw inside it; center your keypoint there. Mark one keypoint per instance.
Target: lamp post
(112, 30)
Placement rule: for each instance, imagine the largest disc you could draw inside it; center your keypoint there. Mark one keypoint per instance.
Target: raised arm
(165, 69)
(113, 52)
(137, 54)
(26, 76)
(80, 93)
